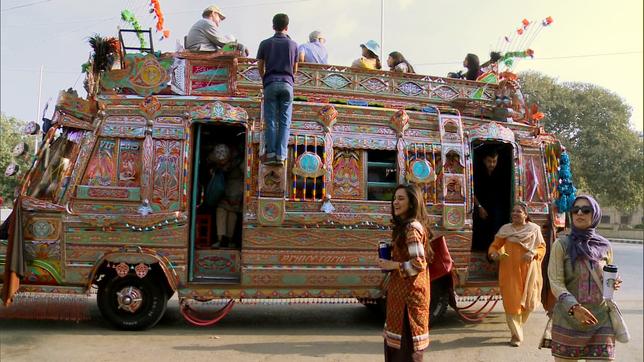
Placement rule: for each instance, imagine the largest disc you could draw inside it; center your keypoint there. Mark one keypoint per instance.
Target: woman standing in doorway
(406, 329)
(519, 247)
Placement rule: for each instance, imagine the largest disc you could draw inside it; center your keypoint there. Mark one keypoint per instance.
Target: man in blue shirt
(277, 64)
(314, 51)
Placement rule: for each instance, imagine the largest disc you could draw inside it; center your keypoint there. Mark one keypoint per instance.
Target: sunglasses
(584, 210)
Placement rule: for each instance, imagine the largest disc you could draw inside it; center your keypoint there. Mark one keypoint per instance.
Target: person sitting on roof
(369, 58)
(473, 66)
(204, 34)
(398, 63)
(314, 51)
(471, 62)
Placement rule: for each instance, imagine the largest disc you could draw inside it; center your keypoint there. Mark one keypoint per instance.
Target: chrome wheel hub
(129, 299)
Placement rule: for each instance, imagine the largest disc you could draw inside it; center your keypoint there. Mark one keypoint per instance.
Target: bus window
(535, 181)
(423, 166)
(382, 174)
(308, 173)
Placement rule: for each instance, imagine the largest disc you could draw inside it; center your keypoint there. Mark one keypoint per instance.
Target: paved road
(300, 333)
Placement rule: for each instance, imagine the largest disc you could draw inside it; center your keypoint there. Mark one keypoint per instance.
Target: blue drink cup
(384, 250)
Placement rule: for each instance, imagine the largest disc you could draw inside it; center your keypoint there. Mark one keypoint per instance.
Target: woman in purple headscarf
(581, 327)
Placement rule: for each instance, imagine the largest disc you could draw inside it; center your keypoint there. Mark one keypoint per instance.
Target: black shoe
(265, 160)
(276, 162)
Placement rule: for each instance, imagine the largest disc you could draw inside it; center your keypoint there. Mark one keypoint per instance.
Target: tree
(593, 124)
(10, 136)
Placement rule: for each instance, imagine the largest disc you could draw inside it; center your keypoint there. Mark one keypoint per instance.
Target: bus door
(218, 179)
(493, 152)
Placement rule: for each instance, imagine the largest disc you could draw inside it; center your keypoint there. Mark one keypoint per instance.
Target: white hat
(373, 46)
(215, 9)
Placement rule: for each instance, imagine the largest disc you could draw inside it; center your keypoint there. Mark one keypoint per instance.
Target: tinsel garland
(567, 191)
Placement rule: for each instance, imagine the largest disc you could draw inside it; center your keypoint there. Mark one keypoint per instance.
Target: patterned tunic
(572, 285)
(408, 290)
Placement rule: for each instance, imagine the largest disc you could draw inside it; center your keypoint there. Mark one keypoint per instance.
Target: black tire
(439, 299)
(376, 306)
(150, 310)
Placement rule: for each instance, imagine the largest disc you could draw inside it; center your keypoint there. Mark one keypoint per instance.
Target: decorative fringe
(45, 306)
(218, 303)
(485, 298)
(300, 301)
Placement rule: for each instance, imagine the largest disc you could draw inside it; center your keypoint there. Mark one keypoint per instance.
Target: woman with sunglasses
(581, 327)
(519, 247)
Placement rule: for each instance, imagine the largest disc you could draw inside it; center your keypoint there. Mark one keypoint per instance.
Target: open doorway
(217, 201)
(493, 191)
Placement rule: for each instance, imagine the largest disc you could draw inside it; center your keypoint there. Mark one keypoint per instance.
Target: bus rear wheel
(439, 300)
(132, 303)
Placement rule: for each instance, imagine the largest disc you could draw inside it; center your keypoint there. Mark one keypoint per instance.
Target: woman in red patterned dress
(406, 329)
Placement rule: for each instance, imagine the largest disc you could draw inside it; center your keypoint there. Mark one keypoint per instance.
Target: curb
(627, 241)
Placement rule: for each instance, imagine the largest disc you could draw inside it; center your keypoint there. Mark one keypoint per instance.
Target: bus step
(217, 280)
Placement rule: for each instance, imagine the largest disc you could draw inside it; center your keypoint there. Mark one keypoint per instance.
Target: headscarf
(587, 243)
(529, 236)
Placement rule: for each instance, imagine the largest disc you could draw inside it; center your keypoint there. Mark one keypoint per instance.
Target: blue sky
(590, 41)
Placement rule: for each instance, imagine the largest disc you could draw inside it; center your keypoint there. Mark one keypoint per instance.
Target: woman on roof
(397, 63)
(472, 64)
(369, 58)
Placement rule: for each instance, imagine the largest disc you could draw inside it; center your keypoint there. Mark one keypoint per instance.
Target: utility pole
(382, 30)
(37, 119)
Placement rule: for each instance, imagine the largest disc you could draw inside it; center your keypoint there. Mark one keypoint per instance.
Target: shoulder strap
(594, 275)
(563, 240)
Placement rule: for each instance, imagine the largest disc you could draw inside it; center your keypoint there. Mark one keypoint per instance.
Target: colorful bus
(126, 196)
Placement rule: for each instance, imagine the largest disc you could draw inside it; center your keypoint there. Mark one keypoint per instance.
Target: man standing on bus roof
(204, 34)
(314, 51)
(277, 64)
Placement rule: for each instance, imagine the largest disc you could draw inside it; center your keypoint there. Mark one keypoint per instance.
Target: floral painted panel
(167, 175)
(130, 160)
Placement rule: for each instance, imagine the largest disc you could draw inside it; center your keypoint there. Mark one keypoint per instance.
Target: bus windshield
(51, 173)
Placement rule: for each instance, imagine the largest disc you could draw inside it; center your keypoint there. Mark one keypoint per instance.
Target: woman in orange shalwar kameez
(407, 326)
(519, 247)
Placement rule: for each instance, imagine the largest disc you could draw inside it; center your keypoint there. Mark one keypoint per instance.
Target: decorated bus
(152, 186)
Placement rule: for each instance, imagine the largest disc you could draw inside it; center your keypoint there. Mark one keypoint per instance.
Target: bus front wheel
(132, 303)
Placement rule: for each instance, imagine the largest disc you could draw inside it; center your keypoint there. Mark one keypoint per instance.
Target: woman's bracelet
(571, 311)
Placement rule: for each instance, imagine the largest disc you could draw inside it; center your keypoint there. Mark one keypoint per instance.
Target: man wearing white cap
(204, 34)
(314, 51)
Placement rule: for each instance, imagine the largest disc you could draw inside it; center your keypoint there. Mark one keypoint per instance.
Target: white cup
(610, 274)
